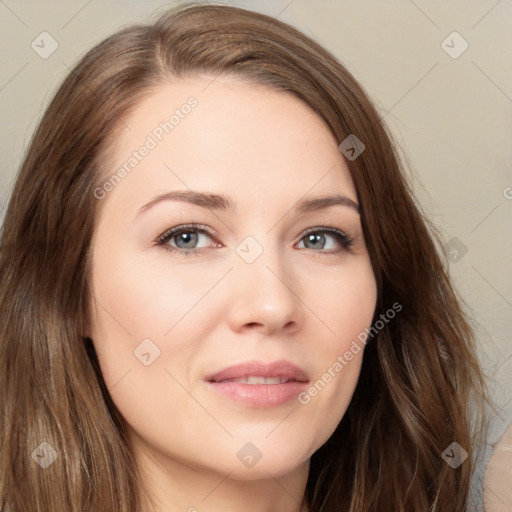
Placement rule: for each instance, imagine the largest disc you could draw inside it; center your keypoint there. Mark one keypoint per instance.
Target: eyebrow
(221, 202)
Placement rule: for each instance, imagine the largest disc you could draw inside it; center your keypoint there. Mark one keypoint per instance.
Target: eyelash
(341, 237)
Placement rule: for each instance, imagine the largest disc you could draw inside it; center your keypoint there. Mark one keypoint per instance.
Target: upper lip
(282, 369)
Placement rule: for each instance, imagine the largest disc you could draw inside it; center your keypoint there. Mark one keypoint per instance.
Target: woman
(255, 371)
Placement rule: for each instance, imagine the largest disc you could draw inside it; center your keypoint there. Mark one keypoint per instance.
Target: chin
(275, 467)
(257, 457)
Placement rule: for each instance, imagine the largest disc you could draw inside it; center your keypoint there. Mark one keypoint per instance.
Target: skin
(297, 301)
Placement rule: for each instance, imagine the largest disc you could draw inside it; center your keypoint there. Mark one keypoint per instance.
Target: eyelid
(200, 228)
(343, 238)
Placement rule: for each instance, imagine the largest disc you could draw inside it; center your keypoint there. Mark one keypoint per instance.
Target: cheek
(142, 336)
(179, 307)
(347, 302)
(136, 307)
(148, 299)
(142, 298)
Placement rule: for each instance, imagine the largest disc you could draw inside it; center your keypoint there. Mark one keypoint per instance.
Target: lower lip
(263, 396)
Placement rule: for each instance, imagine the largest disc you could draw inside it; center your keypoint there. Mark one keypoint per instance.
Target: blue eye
(319, 236)
(186, 237)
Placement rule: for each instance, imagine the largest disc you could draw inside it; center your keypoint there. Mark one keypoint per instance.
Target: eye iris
(188, 238)
(315, 238)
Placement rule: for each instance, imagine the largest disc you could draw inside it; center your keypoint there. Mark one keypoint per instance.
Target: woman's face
(225, 358)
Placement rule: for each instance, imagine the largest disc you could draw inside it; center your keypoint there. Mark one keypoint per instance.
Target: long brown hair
(419, 376)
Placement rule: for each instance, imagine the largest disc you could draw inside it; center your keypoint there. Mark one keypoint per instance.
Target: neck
(175, 486)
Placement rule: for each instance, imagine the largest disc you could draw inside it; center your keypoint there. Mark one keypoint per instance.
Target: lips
(257, 384)
(255, 372)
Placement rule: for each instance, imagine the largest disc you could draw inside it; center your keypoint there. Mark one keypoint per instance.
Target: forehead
(226, 135)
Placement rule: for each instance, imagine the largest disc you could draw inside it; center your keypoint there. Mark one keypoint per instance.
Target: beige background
(451, 116)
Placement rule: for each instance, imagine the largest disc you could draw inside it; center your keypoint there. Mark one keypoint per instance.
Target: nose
(265, 297)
